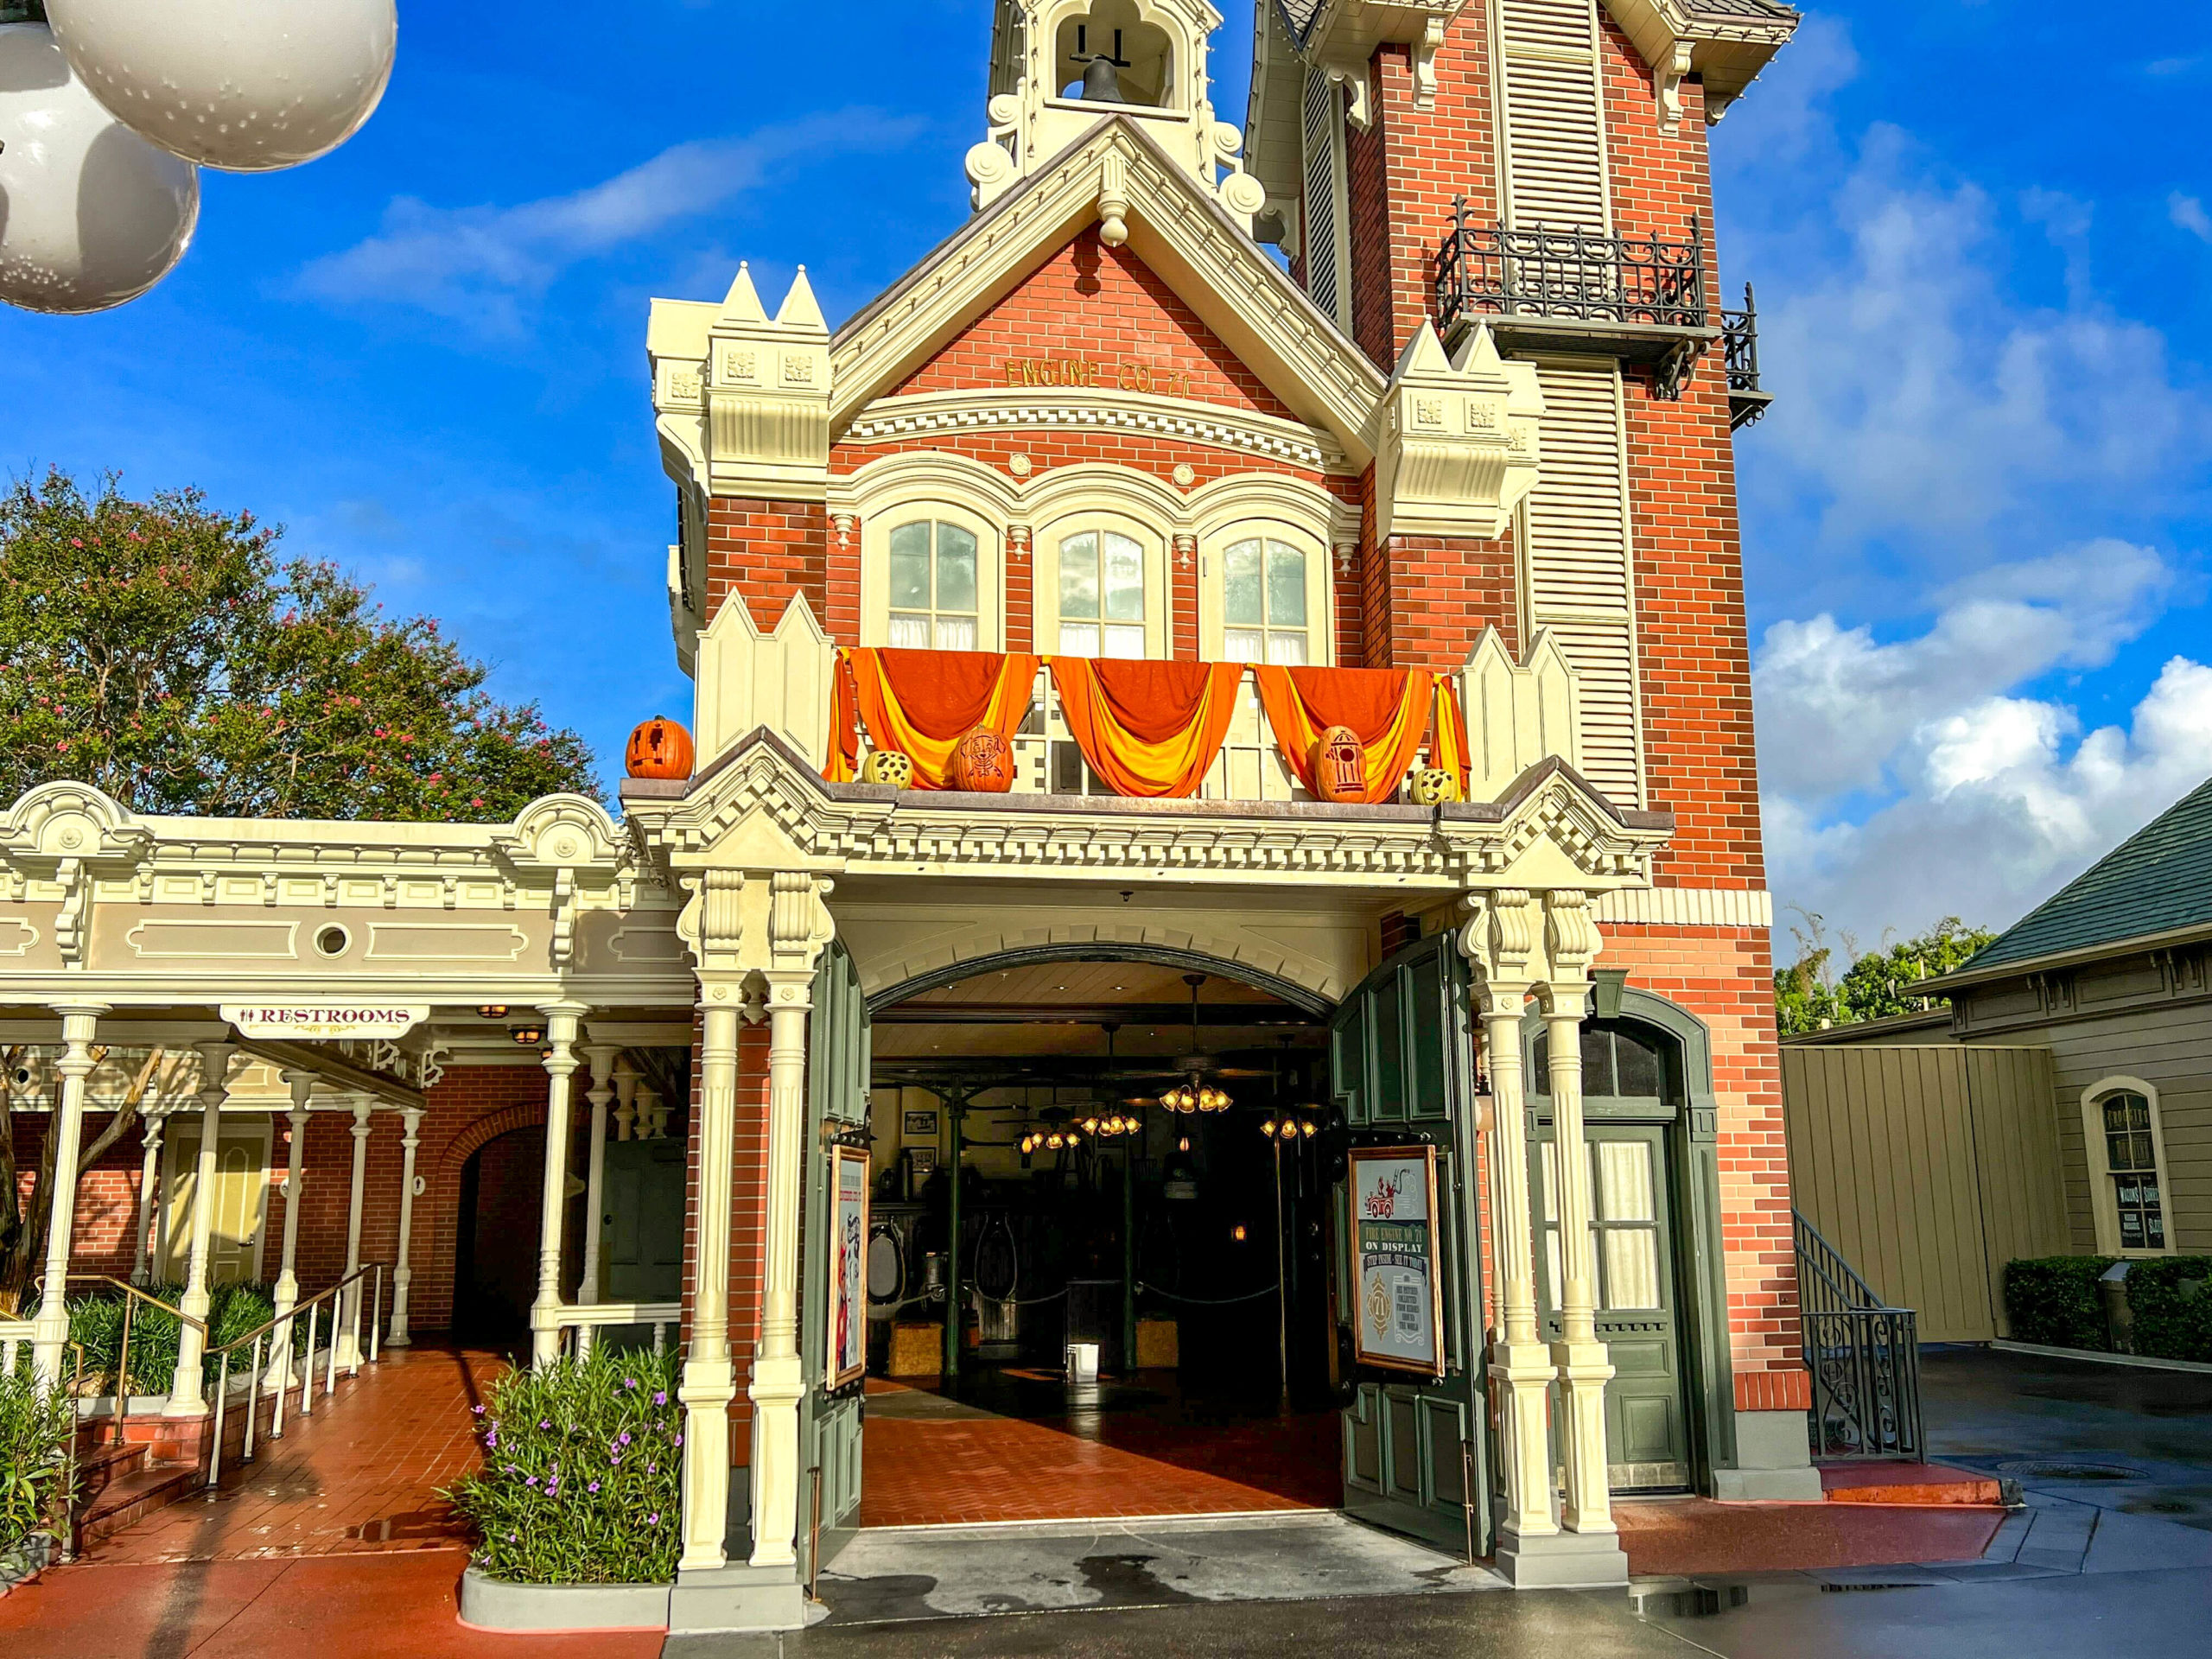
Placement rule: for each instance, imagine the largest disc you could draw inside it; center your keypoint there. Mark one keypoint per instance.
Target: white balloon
(248, 86)
(91, 214)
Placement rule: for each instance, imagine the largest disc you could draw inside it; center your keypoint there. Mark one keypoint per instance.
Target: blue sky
(1975, 523)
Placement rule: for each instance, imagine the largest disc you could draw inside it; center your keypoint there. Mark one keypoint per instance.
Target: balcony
(1639, 297)
(1739, 334)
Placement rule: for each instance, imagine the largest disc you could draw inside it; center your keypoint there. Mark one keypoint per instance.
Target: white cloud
(1834, 705)
(2187, 211)
(2001, 801)
(475, 264)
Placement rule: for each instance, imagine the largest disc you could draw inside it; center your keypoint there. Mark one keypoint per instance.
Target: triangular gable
(1089, 307)
(1185, 245)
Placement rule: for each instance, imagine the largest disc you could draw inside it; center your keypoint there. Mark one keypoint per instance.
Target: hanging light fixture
(494, 1011)
(1195, 1095)
(527, 1034)
(248, 86)
(91, 214)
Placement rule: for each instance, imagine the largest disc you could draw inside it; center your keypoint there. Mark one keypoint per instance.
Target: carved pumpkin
(1339, 765)
(660, 747)
(889, 766)
(1433, 786)
(982, 761)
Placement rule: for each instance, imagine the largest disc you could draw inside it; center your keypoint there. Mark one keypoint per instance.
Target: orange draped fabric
(1449, 747)
(923, 702)
(1147, 728)
(1387, 708)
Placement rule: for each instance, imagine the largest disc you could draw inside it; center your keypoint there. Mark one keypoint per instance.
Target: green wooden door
(1647, 1429)
(1415, 1458)
(829, 1418)
(641, 1236)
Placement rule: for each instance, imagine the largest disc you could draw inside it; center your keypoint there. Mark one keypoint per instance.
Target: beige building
(2063, 1105)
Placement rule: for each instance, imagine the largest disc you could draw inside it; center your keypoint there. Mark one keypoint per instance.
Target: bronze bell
(1102, 81)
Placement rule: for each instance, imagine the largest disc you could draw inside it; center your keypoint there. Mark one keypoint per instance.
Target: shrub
(2053, 1300)
(96, 1321)
(35, 1426)
(578, 1483)
(2171, 1297)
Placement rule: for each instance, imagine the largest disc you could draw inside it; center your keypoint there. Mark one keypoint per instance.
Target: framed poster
(847, 1357)
(919, 1126)
(1401, 1301)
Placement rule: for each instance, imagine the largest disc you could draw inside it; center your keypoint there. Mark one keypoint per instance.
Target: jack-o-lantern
(1433, 786)
(887, 767)
(982, 761)
(660, 747)
(1339, 765)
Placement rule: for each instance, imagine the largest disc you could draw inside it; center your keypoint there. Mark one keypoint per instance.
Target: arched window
(934, 597)
(2127, 1157)
(1264, 615)
(1106, 605)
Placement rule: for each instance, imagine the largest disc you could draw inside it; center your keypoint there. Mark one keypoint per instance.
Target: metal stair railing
(1864, 1357)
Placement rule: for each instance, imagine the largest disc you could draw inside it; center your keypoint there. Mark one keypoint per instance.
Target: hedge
(2055, 1300)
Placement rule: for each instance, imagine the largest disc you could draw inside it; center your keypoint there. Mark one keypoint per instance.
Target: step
(1907, 1483)
(130, 1499)
(100, 1466)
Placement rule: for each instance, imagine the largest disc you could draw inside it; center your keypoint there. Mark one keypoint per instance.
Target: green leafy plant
(2054, 1300)
(96, 1321)
(1878, 984)
(35, 1425)
(2170, 1300)
(580, 1477)
(160, 650)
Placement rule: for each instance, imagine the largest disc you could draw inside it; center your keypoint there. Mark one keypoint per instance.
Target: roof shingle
(2159, 880)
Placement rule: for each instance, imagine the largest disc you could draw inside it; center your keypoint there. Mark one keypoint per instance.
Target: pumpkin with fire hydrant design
(1339, 765)
(658, 748)
(982, 761)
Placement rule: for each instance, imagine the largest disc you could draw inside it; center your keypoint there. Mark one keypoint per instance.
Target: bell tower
(1061, 66)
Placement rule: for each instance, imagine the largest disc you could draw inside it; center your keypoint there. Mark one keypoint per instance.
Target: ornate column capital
(1499, 936)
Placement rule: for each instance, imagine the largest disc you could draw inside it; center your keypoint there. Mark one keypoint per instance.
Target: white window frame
(2104, 1204)
(875, 567)
(1150, 538)
(1320, 588)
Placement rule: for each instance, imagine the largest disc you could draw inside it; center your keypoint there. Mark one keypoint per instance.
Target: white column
(187, 1396)
(603, 1058)
(561, 1020)
(1519, 1359)
(346, 1338)
(287, 1282)
(410, 1118)
(709, 1382)
(777, 1382)
(149, 1166)
(50, 1329)
(626, 1098)
(1584, 1365)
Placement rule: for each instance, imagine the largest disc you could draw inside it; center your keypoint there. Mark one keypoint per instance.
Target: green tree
(160, 650)
(1878, 983)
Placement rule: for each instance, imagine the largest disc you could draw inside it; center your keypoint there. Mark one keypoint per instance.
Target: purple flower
(629, 1381)
(478, 1410)
(653, 1520)
(623, 1438)
(530, 1480)
(545, 1422)
(679, 1439)
(593, 1487)
(652, 1468)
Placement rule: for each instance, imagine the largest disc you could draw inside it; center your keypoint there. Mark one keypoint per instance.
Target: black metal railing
(1864, 1357)
(1739, 336)
(1489, 270)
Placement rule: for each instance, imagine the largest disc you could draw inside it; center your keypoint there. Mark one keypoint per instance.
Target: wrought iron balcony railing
(1739, 336)
(1646, 282)
(1864, 1357)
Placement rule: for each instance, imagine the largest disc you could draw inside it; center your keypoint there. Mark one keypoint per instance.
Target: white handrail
(587, 1319)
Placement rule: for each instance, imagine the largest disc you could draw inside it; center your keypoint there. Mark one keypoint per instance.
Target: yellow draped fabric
(1387, 708)
(923, 702)
(1148, 728)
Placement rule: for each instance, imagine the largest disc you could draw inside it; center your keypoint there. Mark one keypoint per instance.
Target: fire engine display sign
(1400, 1313)
(848, 1267)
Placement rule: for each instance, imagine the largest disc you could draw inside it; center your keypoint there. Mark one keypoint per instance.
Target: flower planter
(490, 1603)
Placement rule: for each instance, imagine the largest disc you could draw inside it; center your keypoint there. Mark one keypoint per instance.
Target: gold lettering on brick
(1121, 374)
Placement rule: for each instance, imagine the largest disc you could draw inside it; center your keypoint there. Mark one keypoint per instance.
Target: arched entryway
(495, 1242)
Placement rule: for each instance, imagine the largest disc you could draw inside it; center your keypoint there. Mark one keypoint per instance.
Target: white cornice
(934, 414)
(764, 808)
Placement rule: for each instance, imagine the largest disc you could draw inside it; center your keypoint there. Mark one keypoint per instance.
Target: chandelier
(1051, 1139)
(1112, 1125)
(1194, 1096)
(1290, 1128)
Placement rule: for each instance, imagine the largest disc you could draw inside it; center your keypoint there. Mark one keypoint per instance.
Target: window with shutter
(1577, 540)
(1323, 235)
(1554, 149)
